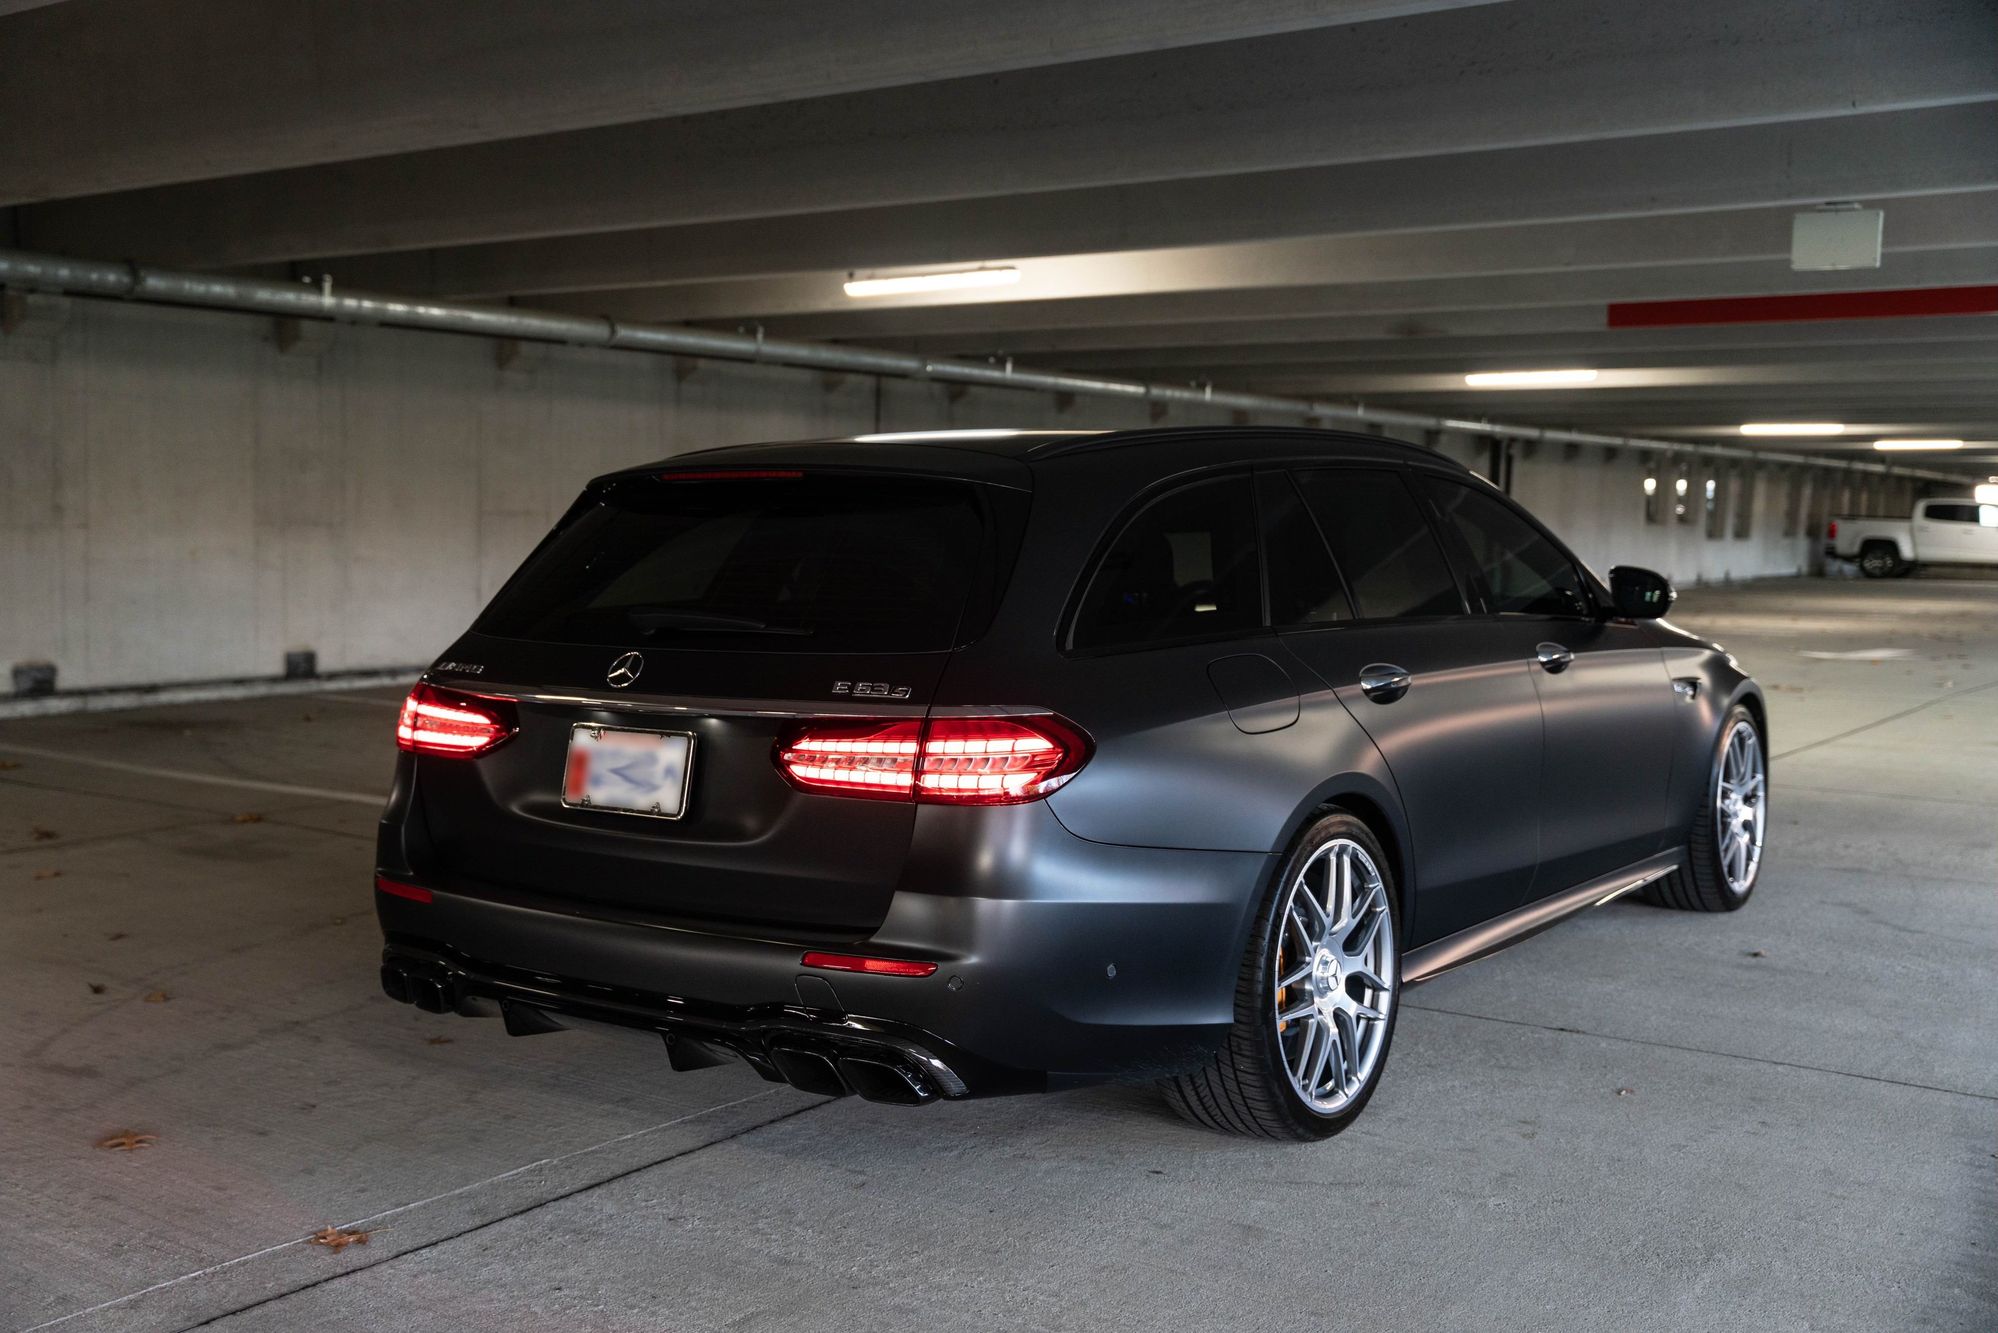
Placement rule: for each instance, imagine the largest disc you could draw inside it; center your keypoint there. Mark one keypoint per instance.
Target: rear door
(712, 608)
(1463, 738)
(1609, 709)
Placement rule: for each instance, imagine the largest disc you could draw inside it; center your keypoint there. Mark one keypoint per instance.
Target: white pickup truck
(1939, 532)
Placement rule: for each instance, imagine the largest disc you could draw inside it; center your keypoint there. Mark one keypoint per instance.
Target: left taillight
(445, 722)
(942, 761)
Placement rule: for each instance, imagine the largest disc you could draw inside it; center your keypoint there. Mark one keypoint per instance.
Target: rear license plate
(633, 772)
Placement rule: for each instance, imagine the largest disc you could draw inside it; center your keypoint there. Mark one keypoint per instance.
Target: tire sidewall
(1262, 962)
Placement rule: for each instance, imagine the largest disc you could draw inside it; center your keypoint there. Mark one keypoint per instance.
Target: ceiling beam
(1476, 79)
(1938, 222)
(153, 92)
(1875, 158)
(1424, 303)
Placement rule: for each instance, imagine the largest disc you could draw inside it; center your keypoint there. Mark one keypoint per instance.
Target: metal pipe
(135, 282)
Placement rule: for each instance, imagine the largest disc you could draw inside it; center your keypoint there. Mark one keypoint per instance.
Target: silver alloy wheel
(1741, 788)
(1878, 561)
(1334, 986)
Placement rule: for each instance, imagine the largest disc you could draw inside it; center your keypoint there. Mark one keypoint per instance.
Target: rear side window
(1523, 572)
(1952, 513)
(1382, 543)
(1185, 567)
(810, 563)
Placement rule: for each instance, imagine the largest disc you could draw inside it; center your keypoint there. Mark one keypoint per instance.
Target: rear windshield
(811, 563)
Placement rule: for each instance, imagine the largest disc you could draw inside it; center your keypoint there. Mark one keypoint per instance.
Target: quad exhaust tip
(887, 1078)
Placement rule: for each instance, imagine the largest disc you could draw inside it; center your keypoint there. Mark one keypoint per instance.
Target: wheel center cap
(1324, 973)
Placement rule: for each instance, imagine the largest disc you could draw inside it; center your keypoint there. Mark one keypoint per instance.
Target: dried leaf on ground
(339, 1238)
(115, 935)
(1758, 953)
(158, 997)
(96, 988)
(437, 1041)
(8, 765)
(249, 817)
(126, 1140)
(40, 834)
(50, 873)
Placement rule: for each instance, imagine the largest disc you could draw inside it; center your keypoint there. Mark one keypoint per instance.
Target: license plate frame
(597, 731)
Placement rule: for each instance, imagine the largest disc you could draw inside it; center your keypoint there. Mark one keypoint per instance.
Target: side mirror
(1640, 594)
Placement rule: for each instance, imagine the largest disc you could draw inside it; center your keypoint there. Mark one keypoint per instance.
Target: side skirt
(1467, 946)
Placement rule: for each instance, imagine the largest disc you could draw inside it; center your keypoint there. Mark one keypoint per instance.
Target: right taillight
(445, 722)
(945, 761)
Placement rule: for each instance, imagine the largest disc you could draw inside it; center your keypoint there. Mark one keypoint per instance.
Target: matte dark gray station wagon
(931, 766)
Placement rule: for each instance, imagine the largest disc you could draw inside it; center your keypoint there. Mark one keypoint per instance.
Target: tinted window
(1953, 513)
(810, 564)
(1382, 543)
(1304, 587)
(1522, 570)
(1185, 567)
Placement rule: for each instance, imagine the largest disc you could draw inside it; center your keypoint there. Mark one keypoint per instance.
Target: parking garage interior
(315, 317)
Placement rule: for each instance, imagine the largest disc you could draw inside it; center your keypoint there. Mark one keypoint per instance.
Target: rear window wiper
(651, 618)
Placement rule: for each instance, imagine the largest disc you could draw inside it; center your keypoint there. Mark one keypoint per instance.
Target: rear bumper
(1074, 962)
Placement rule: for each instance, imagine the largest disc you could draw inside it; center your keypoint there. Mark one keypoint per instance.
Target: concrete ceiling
(1356, 199)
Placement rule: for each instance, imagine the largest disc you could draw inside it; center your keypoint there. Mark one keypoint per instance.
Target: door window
(1952, 513)
(1185, 567)
(1382, 543)
(1523, 572)
(1305, 589)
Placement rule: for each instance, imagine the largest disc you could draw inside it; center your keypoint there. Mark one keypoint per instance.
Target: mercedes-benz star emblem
(625, 670)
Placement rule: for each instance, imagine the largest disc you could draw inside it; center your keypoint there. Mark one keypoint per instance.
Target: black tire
(1247, 1089)
(1704, 885)
(1880, 560)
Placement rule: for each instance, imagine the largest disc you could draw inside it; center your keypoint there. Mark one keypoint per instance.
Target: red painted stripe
(1907, 303)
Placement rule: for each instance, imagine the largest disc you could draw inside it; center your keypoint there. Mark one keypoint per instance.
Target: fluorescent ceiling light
(1793, 428)
(1987, 494)
(1527, 379)
(933, 282)
(1889, 446)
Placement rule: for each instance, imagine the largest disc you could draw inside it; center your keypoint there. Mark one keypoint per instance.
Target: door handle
(1553, 656)
(1383, 682)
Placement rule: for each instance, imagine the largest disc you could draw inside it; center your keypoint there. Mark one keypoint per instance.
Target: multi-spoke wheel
(1725, 843)
(1315, 1005)
(1334, 958)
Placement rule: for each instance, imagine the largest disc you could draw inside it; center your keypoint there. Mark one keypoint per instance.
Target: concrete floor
(1781, 1119)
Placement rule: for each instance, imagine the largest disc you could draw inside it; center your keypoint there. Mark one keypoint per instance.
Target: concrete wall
(186, 495)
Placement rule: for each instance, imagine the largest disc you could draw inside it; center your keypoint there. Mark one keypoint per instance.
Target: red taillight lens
(946, 761)
(875, 759)
(440, 721)
(997, 760)
(1831, 529)
(880, 967)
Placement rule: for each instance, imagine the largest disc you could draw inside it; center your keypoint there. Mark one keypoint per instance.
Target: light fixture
(1986, 494)
(1891, 446)
(933, 282)
(1793, 428)
(1527, 379)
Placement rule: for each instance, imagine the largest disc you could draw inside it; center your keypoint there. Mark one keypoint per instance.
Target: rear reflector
(944, 761)
(397, 889)
(441, 721)
(880, 967)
